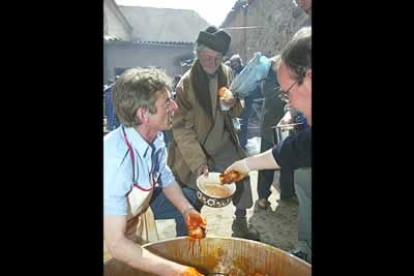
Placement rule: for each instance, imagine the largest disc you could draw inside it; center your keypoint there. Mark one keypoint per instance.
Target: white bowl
(214, 201)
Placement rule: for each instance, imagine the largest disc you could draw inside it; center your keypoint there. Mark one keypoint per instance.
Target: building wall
(280, 18)
(125, 55)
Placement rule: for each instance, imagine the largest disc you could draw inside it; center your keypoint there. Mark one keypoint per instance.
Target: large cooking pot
(220, 255)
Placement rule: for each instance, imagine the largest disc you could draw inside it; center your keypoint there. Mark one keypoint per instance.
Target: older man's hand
(226, 97)
(203, 169)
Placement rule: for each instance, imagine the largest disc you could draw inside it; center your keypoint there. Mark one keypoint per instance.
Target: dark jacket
(296, 150)
(273, 110)
(191, 127)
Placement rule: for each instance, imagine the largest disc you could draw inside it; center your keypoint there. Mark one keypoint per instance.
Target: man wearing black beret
(205, 137)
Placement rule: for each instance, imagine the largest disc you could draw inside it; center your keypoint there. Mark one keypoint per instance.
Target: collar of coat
(200, 82)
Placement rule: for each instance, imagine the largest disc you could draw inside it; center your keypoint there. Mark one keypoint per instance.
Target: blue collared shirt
(118, 175)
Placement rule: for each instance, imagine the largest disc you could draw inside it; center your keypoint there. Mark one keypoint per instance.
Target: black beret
(217, 40)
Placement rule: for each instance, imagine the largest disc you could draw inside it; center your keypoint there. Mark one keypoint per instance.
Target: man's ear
(142, 114)
(308, 79)
(308, 74)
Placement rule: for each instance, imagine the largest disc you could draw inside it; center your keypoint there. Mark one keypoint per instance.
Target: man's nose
(174, 105)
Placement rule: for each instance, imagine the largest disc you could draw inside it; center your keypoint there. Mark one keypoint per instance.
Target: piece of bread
(230, 177)
(224, 93)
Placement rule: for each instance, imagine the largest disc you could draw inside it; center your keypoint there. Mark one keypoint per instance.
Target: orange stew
(216, 190)
(255, 274)
(191, 272)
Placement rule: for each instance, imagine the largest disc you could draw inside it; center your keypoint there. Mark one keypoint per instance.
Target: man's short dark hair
(297, 54)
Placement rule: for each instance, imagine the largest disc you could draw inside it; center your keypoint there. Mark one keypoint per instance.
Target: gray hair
(297, 54)
(199, 47)
(138, 88)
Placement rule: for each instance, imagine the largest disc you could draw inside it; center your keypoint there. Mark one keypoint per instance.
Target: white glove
(240, 166)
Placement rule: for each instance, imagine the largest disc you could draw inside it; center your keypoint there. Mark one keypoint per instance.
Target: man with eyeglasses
(204, 137)
(294, 73)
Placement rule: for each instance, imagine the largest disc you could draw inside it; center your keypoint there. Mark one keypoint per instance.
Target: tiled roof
(162, 24)
(149, 43)
(112, 38)
(164, 42)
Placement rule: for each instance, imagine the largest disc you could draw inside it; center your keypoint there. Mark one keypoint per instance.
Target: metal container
(283, 129)
(220, 255)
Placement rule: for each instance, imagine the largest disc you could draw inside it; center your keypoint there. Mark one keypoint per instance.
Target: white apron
(141, 227)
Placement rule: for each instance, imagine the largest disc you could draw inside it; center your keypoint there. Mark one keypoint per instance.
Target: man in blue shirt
(138, 185)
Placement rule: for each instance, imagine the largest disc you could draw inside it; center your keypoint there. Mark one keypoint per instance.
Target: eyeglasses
(284, 95)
